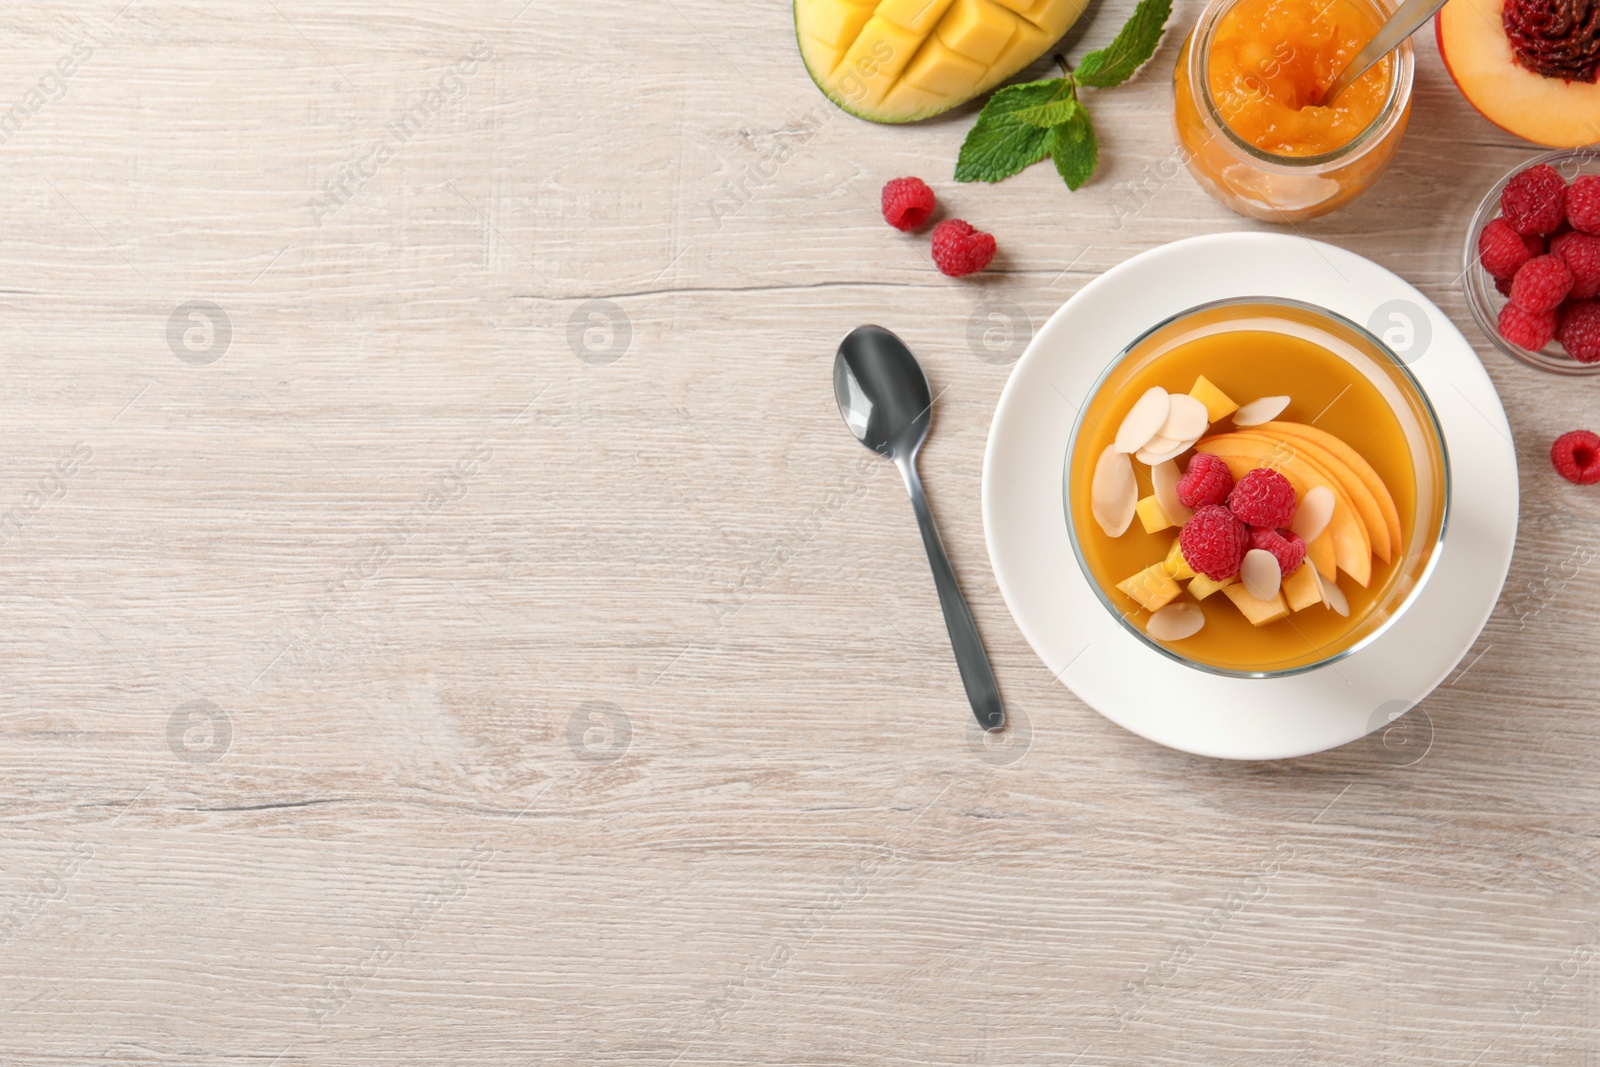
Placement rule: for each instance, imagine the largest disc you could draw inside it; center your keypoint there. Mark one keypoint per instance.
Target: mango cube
(1218, 404)
(1201, 586)
(1175, 564)
(1259, 612)
(1152, 587)
(1151, 515)
(1301, 589)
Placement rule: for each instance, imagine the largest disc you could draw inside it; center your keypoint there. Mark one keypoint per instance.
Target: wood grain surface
(468, 635)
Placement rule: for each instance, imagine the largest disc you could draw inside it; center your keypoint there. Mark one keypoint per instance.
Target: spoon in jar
(885, 400)
(1407, 19)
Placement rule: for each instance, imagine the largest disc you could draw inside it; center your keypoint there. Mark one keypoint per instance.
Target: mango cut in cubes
(903, 60)
(1201, 586)
(1218, 404)
(1301, 589)
(1175, 564)
(1259, 612)
(1151, 515)
(1152, 587)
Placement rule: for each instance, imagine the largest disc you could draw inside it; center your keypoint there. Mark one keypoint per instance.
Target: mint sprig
(1022, 124)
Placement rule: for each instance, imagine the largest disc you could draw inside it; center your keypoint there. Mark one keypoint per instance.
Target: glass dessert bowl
(1311, 523)
(1248, 111)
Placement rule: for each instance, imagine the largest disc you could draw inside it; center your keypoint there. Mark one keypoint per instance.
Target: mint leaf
(1003, 141)
(1073, 147)
(1134, 43)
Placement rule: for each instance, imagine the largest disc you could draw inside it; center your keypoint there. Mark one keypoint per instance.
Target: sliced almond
(1114, 493)
(1143, 420)
(1168, 449)
(1261, 574)
(1187, 418)
(1258, 411)
(1164, 481)
(1175, 622)
(1312, 516)
(1333, 596)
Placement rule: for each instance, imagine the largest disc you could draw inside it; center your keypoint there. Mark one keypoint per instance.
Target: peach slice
(1243, 453)
(1330, 466)
(1477, 53)
(1353, 460)
(1319, 553)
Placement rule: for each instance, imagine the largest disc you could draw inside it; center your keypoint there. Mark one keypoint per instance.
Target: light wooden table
(409, 664)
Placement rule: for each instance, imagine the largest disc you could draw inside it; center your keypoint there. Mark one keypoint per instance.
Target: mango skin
(896, 61)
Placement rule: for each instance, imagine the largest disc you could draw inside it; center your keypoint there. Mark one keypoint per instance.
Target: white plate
(1168, 702)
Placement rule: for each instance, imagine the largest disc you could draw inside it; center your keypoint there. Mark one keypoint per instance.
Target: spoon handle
(976, 675)
(1406, 20)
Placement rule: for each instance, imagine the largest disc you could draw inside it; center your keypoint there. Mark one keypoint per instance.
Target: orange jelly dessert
(1250, 112)
(1251, 412)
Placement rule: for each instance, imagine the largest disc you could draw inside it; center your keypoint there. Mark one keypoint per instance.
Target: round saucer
(1169, 702)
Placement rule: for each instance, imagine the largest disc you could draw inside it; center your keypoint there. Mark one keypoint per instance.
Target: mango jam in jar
(1250, 116)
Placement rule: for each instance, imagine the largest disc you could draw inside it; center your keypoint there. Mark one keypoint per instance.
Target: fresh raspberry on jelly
(1530, 329)
(1578, 330)
(1576, 455)
(1501, 249)
(1535, 201)
(1207, 481)
(1541, 284)
(1534, 243)
(1583, 204)
(959, 249)
(907, 203)
(1581, 253)
(1503, 286)
(1285, 545)
(1263, 498)
(1213, 542)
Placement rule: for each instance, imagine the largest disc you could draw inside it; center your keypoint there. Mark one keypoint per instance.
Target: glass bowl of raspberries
(1532, 263)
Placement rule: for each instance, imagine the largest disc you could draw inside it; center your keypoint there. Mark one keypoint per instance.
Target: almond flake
(1261, 574)
(1114, 493)
(1187, 419)
(1143, 420)
(1160, 449)
(1333, 596)
(1258, 411)
(1175, 622)
(1312, 516)
(1164, 481)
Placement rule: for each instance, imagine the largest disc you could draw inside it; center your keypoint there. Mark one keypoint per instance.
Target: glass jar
(1265, 185)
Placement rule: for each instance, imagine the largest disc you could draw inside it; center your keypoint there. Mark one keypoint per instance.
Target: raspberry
(1583, 204)
(1576, 455)
(959, 249)
(907, 203)
(1286, 545)
(1503, 286)
(1533, 243)
(1535, 201)
(1207, 481)
(1578, 330)
(1530, 329)
(1263, 498)
(1213, 542)
(1581, 254)
(1500, 249)
(1541, 284)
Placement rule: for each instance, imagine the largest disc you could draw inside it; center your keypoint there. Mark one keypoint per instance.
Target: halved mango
(1301, 589)
(1151, 515)
(904, 60)
(1201, 586)
(1351, 546)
